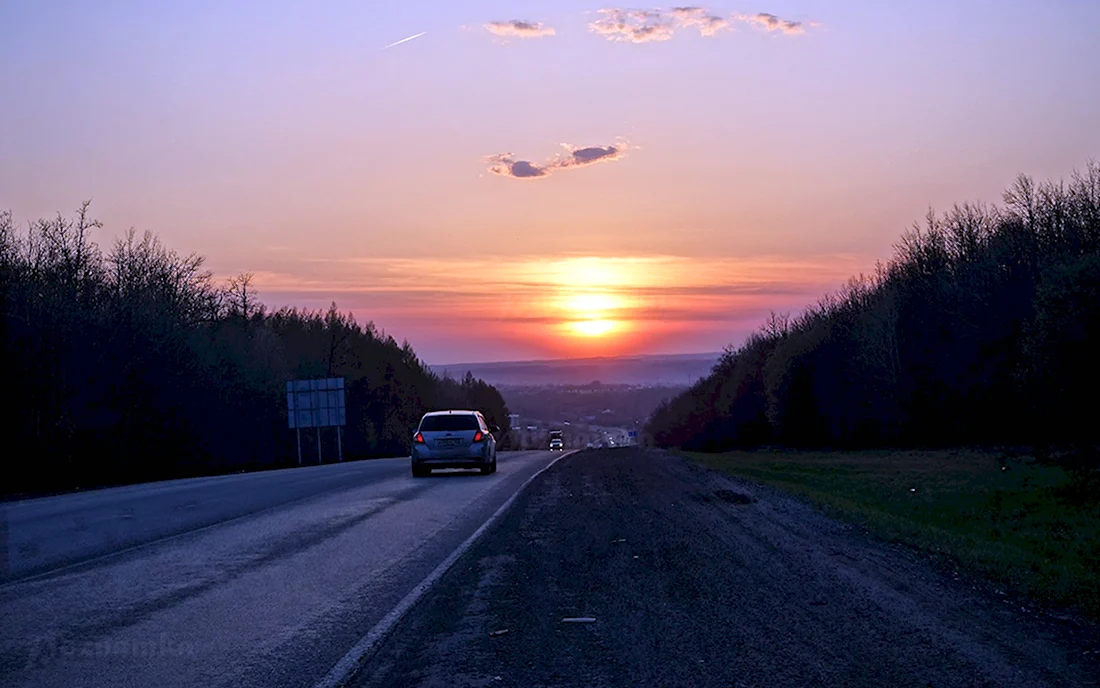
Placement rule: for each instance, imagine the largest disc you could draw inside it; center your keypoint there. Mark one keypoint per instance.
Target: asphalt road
(263, 579)
(683, 577)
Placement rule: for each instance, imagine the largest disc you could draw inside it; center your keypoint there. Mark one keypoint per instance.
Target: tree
(134, 364)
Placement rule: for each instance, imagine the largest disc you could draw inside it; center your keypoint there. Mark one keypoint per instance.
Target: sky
(526, 180)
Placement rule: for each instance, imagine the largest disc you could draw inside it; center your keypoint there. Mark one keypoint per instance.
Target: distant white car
(556, 445)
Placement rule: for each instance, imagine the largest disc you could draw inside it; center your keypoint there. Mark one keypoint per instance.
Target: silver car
(454, 439)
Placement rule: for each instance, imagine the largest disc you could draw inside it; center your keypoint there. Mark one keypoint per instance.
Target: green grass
(1021, 527)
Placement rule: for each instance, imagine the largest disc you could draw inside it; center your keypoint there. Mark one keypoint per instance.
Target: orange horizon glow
(564, 306)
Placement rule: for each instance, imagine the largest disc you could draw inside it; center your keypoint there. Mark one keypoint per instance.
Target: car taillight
(478, 436)
(419, 439)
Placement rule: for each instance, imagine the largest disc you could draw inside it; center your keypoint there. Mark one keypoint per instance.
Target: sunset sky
(539, 179)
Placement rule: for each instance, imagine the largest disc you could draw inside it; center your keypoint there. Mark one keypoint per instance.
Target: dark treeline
(133, 364)
(983, 329)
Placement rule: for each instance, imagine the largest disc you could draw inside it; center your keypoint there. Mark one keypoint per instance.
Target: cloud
(579, 157)
(517, 28)
(770, 22)
(651, 274)
(645, 26)
(634, 26)
(708, 24)
(506, 164)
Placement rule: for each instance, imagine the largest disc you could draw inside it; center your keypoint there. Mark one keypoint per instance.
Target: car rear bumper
(450, 463)
(468, 457)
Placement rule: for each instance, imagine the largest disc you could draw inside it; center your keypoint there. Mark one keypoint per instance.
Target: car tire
(487, 468)
(419, 472)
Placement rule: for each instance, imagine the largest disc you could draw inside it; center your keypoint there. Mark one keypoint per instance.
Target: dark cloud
(505, 164)
(586, 156)
(517, 28)
(522, 168)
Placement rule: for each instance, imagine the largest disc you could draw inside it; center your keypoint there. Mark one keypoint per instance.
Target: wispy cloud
(517, 28)
(770, 22)
(646, 26)
(506, 164)
(709, 24)
(426, 280)
(634, 26)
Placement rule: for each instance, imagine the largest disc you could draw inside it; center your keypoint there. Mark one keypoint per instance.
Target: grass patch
(1021, 526)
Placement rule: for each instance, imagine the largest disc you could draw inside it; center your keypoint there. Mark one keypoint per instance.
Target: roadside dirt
(673, 575)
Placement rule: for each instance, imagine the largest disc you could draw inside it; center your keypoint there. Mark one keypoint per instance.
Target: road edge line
(346, 667)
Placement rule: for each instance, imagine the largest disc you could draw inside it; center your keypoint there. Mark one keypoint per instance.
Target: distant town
(675, 370)
(595, 402)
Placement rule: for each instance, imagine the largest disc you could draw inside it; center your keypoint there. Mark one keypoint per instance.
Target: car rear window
(449, 423)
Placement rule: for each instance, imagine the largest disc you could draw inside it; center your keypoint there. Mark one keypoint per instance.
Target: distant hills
(679, 370)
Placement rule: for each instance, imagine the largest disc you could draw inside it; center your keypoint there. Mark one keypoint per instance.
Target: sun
(593, 328)
(588, 303)
(591, 298)
(592, 313)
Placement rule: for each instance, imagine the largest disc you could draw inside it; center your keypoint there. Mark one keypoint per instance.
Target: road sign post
(317, 403)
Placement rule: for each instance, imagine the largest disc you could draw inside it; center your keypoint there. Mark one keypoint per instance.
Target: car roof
(456, 412)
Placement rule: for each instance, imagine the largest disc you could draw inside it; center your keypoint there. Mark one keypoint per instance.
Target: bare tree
(241, 297)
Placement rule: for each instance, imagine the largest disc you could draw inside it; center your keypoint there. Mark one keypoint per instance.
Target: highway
(261, 579)
(613, 567)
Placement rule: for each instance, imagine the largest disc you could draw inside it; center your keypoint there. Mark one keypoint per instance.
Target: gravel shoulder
(686, 577)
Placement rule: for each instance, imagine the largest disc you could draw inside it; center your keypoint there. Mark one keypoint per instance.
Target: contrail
(403, 40)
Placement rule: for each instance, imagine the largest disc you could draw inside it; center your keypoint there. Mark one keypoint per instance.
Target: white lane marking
(350, 662)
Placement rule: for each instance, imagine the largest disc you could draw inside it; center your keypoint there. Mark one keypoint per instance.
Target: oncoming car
(454, 439)
(556, 445)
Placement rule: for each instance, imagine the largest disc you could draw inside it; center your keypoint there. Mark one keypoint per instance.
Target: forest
(134, 364)
(982, 329)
